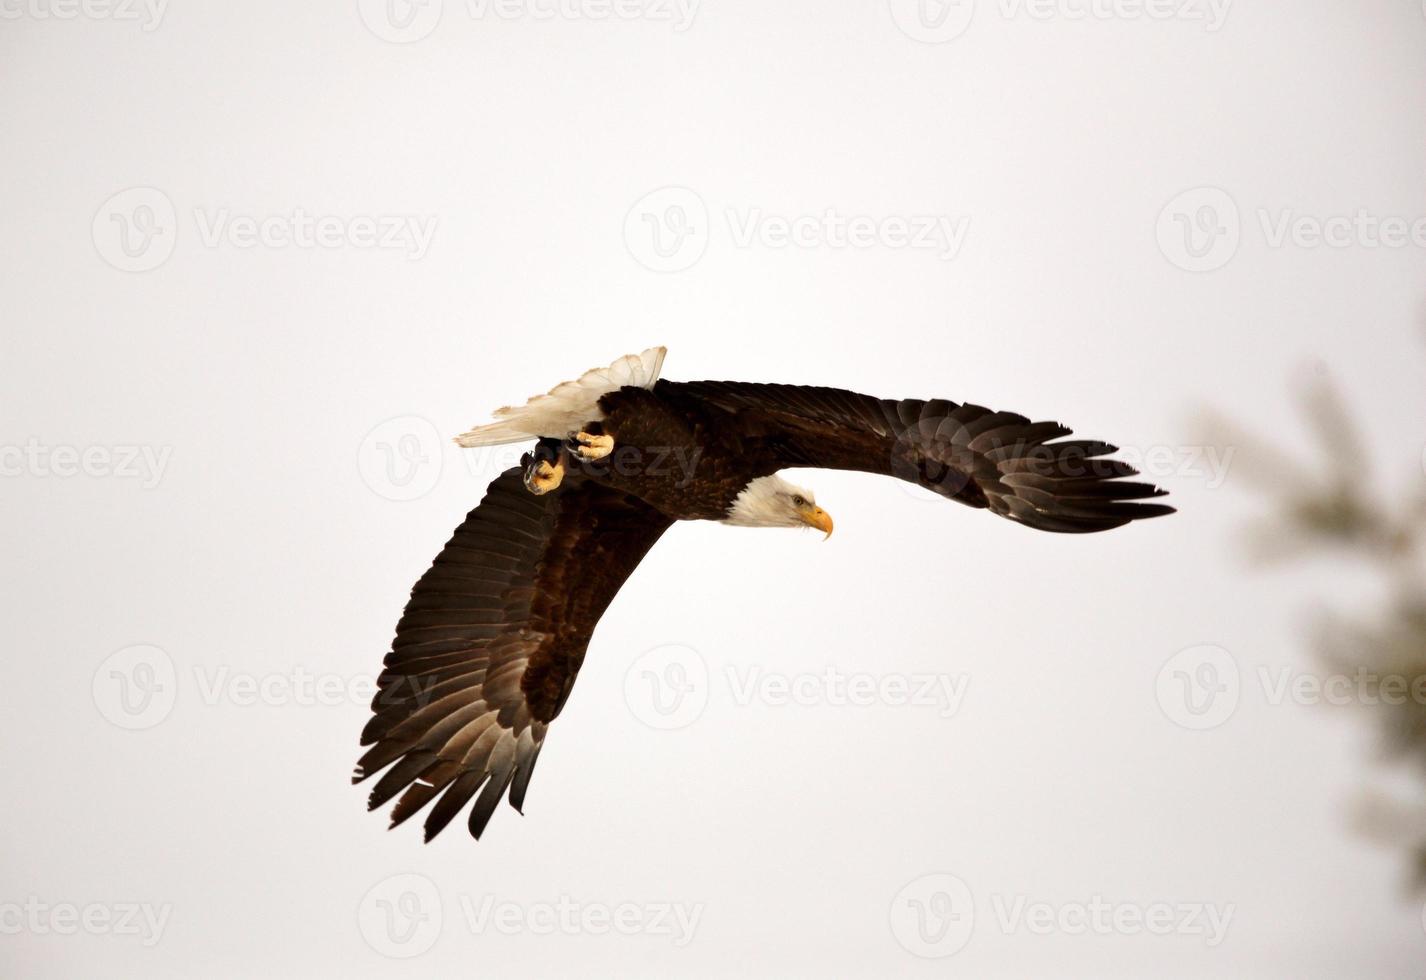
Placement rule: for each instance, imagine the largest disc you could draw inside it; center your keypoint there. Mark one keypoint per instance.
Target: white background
(270, 546)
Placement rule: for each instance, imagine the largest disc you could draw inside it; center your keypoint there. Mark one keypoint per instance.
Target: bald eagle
(486, 652)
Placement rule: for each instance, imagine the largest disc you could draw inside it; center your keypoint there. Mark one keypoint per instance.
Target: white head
(770, 501)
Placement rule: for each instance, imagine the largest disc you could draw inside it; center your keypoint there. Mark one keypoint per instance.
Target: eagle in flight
(486, 652)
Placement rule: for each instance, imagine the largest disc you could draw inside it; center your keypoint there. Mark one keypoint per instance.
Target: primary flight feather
(486, 653)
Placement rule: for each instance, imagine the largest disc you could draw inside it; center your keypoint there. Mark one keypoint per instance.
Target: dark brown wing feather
(487, 650)
(998, 460)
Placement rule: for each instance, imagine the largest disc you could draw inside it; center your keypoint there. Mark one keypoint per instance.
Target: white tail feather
(567, 406)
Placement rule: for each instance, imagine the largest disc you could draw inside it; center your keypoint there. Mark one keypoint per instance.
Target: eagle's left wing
(487, 650)
(997, 460)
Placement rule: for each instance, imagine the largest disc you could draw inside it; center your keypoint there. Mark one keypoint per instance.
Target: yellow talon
(543, 477)
(593, 447)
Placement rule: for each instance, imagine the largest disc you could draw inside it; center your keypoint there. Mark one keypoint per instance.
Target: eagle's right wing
(1002, 461)
(487, 650)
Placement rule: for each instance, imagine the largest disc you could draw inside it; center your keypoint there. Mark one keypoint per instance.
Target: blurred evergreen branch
(1328, 506)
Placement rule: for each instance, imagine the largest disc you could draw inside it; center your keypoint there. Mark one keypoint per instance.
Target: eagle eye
(799, 500)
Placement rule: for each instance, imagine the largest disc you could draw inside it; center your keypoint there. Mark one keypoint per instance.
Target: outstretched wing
(488, 647)
(998, 460)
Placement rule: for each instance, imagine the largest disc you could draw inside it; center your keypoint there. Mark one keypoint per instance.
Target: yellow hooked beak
(818, 518)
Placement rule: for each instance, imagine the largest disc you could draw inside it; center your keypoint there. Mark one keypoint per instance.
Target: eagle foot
(590, 447)
(542, 476)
